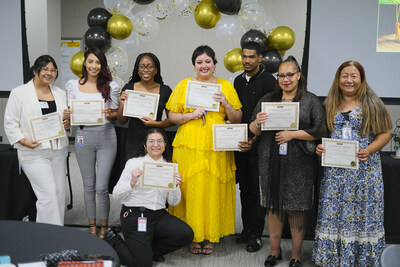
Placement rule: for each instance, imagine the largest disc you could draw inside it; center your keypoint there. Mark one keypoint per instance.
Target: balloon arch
(115, 29)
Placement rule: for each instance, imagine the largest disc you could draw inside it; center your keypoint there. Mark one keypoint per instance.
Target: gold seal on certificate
(201, 95)
(340, 153)
(47, 127)
(140, 104)
(281, 116)
(87, 112)
(226, 137)
(159, 175)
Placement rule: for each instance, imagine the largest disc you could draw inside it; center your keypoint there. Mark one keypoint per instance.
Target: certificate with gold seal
(281, 116)
(340, 153)
(200, 95)
(226, 137)
(47, 127)
(87, 112)
(141, 104)
(159, 175)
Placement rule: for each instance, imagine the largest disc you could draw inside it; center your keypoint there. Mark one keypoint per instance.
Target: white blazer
(23, 105)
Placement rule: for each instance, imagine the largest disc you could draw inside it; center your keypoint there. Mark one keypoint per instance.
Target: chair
(390, 256)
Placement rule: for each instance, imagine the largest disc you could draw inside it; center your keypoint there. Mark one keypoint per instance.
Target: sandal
(195, 248)
(103, 229)
(93, 229)
(208, 248)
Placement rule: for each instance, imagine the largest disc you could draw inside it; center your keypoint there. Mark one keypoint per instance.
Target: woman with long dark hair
(96, 145)
(44, 163)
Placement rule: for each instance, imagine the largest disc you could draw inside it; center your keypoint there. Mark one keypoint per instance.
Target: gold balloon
(119, 26)
(282, 53)
(76, 63)
(233, 60)
(207, 14)
(281, 38)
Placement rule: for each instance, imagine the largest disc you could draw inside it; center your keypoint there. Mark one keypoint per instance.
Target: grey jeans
(96, 146)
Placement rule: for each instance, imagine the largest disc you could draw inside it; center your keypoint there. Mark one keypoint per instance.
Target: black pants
(165, 233)
(253, 215)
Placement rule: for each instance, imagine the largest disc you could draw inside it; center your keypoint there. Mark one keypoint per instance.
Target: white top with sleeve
(22, 106)
(72, 87)
(138, 196)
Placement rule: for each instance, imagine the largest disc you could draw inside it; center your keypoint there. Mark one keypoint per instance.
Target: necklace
(287, 99)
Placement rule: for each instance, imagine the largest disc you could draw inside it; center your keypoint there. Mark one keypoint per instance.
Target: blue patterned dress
(349, 229)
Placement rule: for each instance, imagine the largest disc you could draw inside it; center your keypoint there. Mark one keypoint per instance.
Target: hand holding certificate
(226, 137)
(87, 112)
(340, 153)
(141, 104)
(201, 95)
(281, 116)
(47, 127)
(159, 175)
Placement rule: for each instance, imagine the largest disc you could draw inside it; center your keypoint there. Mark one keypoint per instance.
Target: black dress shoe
(254, 244)
(243, 237)
(158, 258)
(111, 237)
(295, 263)
(271, 259)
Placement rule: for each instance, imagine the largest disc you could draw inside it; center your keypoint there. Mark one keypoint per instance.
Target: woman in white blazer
(44, 163)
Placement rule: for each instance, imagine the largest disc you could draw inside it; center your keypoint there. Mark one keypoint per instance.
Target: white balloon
(268, 26)
(244, 2)
(252, 16)
(120, 83)
(119, 6)
(130, 44)
(161, 9)
(185, 8)
(145, 25)
(234, 75)
(117, 60)
(228, 28)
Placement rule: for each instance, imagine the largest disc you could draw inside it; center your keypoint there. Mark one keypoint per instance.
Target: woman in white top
(95, 146)
(163, 232)
(44, 163)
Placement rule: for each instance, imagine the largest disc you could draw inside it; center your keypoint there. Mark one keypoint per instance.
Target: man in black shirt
(251, 85)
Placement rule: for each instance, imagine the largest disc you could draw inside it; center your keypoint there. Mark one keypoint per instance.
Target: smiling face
(204, 66)
(349, 80)
(288, 84)
(46, 75)
(147, 69)
(155, 145)
(251, 61)
(92, 65)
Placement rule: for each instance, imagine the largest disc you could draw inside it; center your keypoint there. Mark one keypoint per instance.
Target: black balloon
(143, 2)
(98, 17)
(255, 36)
(271, 60)
(228, 7)
(97, 37)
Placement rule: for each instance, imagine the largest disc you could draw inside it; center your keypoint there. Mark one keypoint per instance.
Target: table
(25, 241)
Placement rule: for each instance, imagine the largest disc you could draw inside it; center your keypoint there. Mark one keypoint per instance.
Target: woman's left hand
(66, 119)
(148, 122)
(178, 178)
(363, 154)
(220, 97)
(283, 137)
(108, 114)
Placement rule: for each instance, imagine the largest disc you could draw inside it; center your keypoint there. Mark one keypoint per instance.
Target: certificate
(159, 175)
(141, 104)
(340, 153)
(47, 127)
(281, 116)
(200, 95)
(87, 112)
(226, 137)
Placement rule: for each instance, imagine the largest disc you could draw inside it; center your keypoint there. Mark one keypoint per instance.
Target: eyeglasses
(47, 70)
(143, 67)
(287, 75)
(153, 141)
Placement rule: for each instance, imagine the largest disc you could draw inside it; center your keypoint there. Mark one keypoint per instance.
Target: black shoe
(295, 263)
(243, 237)
(271, 259)
(254, 244)
(111, 237)
(158, 258)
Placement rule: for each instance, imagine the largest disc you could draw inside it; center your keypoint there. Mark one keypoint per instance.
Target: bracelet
(258, 126)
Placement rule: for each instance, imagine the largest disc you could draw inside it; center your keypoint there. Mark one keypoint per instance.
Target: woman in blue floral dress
(349, 229)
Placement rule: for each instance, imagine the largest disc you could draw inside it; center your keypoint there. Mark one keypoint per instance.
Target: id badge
(142, 224)
(44, 105)
(346, 132)
(283, 149)
(79, 141)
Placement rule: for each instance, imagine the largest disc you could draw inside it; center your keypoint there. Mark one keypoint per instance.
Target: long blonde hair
(376, 118)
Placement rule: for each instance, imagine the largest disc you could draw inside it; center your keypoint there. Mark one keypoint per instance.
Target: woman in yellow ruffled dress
(208, 185)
